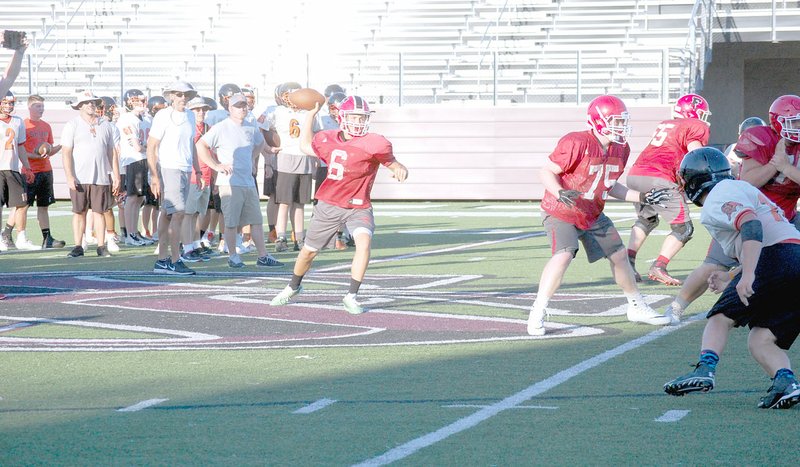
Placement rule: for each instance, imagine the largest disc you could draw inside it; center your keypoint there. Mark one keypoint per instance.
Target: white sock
(541, 302)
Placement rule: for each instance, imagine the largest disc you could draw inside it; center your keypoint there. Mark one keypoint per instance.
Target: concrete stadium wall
(455, 153)
(742, 81)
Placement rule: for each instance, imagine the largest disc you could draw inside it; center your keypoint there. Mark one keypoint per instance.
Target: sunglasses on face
(179, 93)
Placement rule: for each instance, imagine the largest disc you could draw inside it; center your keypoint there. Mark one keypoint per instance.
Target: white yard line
(671, 416)
(142, 405)
(313, 407)
(515, 400)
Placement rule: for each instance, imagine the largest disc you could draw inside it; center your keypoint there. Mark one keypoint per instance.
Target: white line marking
(478, 406)
(142, 405)
(673, 415)
(480, 258)
(512, 401)
(251, 281)
(434, 252)
(318, 405)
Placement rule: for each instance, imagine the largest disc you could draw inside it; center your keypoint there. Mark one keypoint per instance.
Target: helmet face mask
(8, 103)
(154, 104)
(354, 116)
(334, 101)
(134, 99)
(284, 90)
(701, 170)
(226, 91)
(784, 117)
(692, 106)
(609, 117)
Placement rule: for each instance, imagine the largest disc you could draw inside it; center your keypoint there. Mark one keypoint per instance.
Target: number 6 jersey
(352, 166)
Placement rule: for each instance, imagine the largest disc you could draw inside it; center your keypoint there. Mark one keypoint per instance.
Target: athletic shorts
(675, 210)
(240, 206)
(715, 255)
(149, 197)
(327, 219)
(197, 200)
(774, 304)
(601, 240)
(174, 190)
(13, 191)
(41, 190)
(214, 202)
(293, 188)
(136, 179)
(95, 197)
(270, 184)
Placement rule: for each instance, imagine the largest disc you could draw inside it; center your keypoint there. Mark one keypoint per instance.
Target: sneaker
(111, 244)
(180, 269)
(132, 240)
(285, 296)
(210, 238)
(193, 256)
(783, 394)
(642, 313)
(660, 274)
(701, 379)
(77, 251)
(281, 245)
(235, 262)
(536, 322)
(25, 244)
(350, 302)
(51, 242)
(102, 251)
(268, 261)
(674, 313)
(144, 239)
(163, 266)
(209, 252)
(5, 241)
(636, 275)
(222, 247)
(296, 247)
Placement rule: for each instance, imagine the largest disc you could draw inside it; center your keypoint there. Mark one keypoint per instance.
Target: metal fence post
(122, 79)
(400, 79)
(30, 76)
(578, 72)
(494, 78)
(664, 76)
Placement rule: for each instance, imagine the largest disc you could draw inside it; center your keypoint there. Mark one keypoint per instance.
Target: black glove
(13, 39)
(655, 196)
(568, 197)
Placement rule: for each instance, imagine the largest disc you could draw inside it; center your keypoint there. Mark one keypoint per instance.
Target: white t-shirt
(234, 145)
(287, 124)
(215, 116)
(15, 128)
(723, 209)
(175, 131)
(132, 128)
(92, 149)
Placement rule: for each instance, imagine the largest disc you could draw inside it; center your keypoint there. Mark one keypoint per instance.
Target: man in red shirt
(578, 177)
(41, 190)
(655, 168)
(353, 156)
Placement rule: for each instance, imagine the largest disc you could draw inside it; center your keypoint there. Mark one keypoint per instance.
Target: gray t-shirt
(234, 145)
(92, 148)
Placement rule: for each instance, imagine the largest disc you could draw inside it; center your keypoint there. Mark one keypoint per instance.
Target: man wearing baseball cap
(171, 158)
(89, 158)
(237, 145)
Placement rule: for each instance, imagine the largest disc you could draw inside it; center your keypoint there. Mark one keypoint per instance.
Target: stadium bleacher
(446, 50)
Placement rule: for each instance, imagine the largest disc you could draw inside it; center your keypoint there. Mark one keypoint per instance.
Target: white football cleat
(536, 322)
(642, 313)
(285, 296)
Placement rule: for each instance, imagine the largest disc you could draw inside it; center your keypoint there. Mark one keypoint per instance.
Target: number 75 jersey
(589, 170)
(352, 167)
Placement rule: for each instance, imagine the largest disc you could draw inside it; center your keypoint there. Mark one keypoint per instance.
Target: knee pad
(682, 232)
(646, 223)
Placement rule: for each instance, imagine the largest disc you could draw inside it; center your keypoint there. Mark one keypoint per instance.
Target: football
(43, 149)
(305, 98)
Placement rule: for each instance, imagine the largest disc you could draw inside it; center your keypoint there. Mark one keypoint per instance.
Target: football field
(106, 363)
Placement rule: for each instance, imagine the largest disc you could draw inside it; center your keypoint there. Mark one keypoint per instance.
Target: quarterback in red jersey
(353, 156)
(578, 177)
(655, 168)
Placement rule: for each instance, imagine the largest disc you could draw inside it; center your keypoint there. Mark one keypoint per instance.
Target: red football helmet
(608, 116)
(354, 116)
(691, 106)
(784, 117)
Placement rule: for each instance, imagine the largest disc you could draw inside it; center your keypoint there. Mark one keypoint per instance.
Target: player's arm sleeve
(564, 155)
(386, 153)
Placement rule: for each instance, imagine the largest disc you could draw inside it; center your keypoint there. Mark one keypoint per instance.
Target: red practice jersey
(663, 155)
(352, 166)
(38, 133)
(758, 143)
(588, 169)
